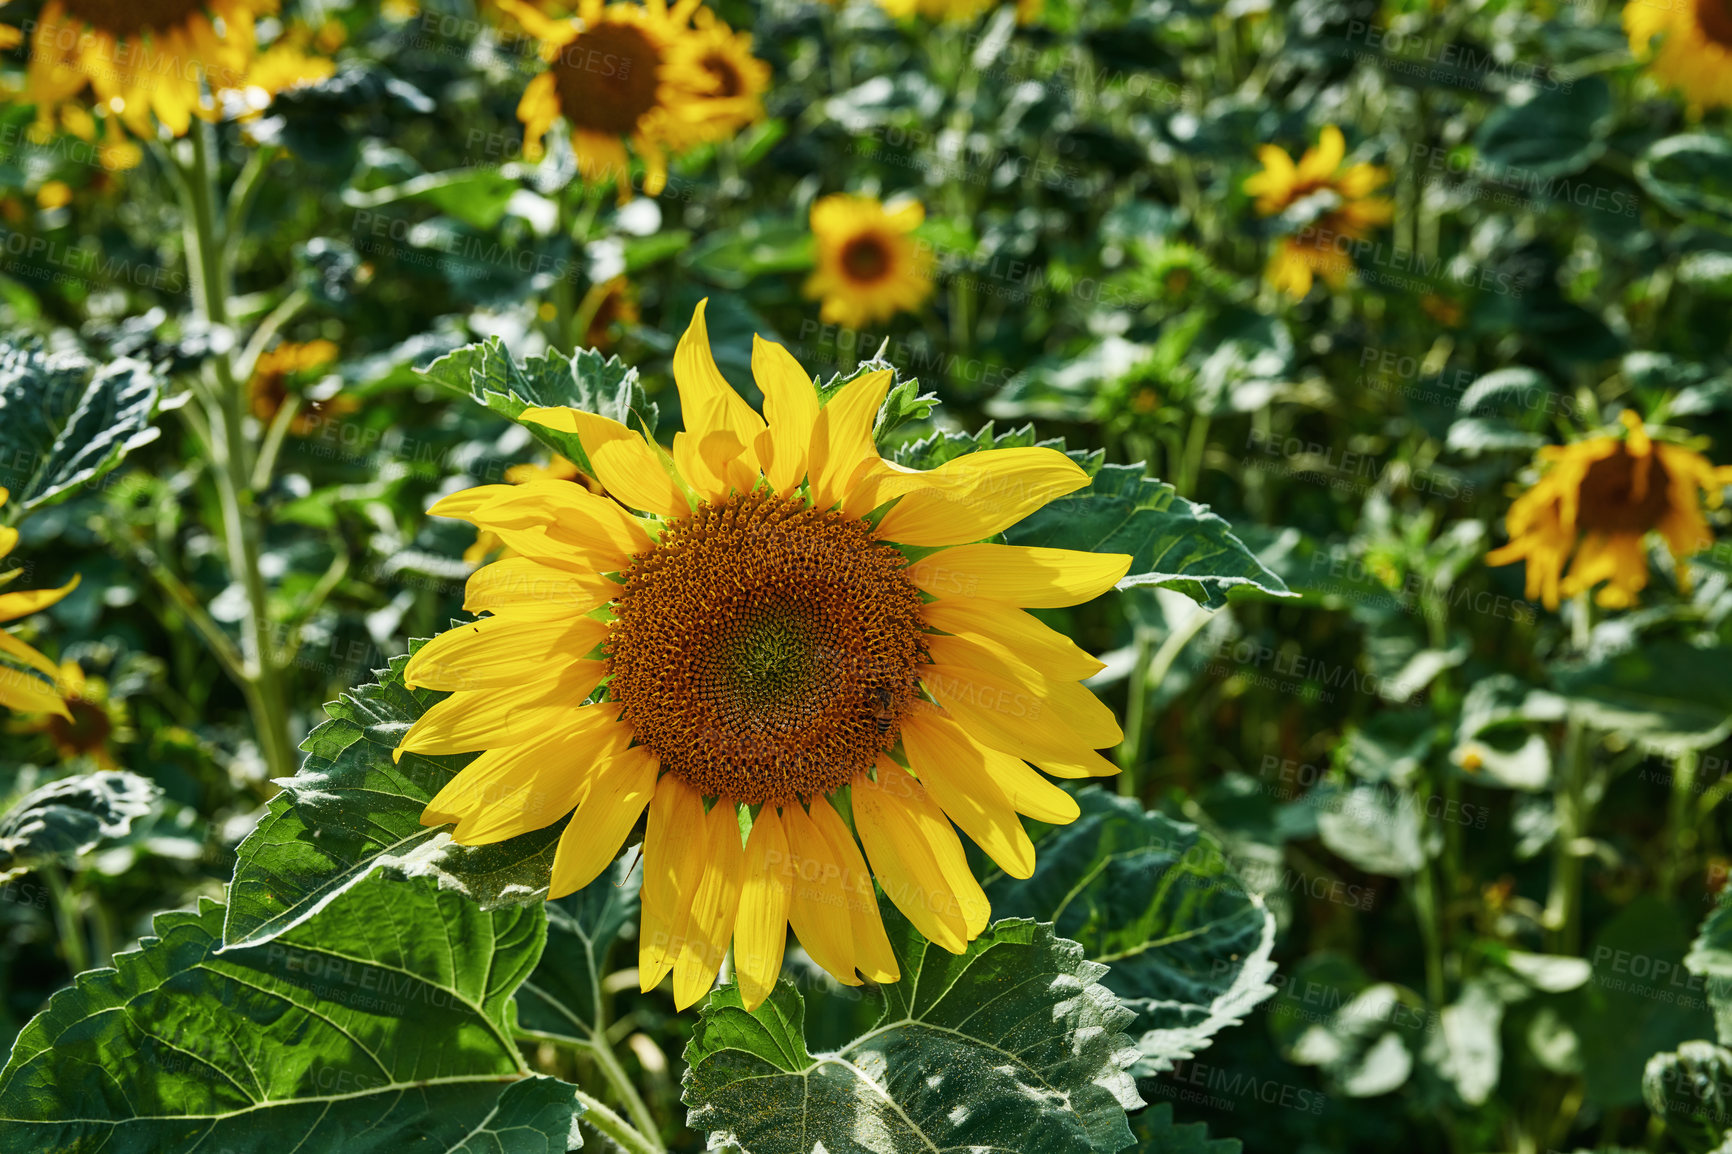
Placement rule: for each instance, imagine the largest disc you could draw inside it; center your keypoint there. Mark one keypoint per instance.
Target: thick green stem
(1425, 906)
(1680, 823)
(226, 399)
(600, 1118)
(68, 920)
(1564, 902)
(620, 1081)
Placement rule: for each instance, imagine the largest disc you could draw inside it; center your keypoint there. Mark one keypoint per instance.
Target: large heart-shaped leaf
(381, 1026)
(1172, 541)
(487, 372)
(1156, 901)
(351, 809)
(65, 421)
(1668, 695)
(1010, 1047)
(68, 817)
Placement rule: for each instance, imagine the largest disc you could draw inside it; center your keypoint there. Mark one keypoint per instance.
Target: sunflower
(731, 81)
(1340, 203)
(268, 389)
(141, 58)
(615, 73)
(21, 689)
(1695, 51)
(790, 645)
(89, 725)
(1599, 499)
(869, 267)
(605, 305)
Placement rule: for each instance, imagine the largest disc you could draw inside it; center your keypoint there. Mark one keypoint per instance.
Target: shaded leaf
(1010, 1047)
(351, 810)
(1157, 901)
(1668, 695)
(71, 816)
(65, 421)
(380, 1027)
(1692, 176)
(1157, 1133)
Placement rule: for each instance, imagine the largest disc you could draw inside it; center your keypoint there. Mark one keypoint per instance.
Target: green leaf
(1692, 176)
(65, 421)
(734, 257)
(1373, 827)
(1691, 1090)
(1172, 541)
(1668, 695)
(562, 998)
(475, 196)
(1010, 1047)
(1157, 1133)
(1157, 901)
(71, 816)
(487, 372)
(1710, 957)
(382, 1026)
(1557, 131)
(351, 811)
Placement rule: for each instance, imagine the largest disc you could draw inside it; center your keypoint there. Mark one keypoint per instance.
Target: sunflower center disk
(1715, 19)
(1608, 502)
(124, 18)
(608, 78)
(865, 258)
(764, 650)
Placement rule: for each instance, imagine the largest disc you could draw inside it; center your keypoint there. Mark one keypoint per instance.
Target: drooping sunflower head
(1337, 203)
(141, 58)
(23, 668)
(616, 75)
(869, 266)
(277, 377)
(1694, 50)
(1595, 505)
(785, 648)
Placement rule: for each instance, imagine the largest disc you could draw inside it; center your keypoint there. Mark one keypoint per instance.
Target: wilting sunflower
(796, 644)
(1599, 499)
(291, 364)
(617, 73)
(20, 688)
(140, 58)
(1340, 203)
(869, 267)
(1695, 50)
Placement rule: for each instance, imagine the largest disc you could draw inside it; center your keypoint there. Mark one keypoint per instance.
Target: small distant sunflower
(141, 58)
(1599, 499)
(731, 91)
(1341, 201)
(291, 363)
(605, 305)
(869, 267)
(616, 73)
(90, 724)
(795, 643)
(20, 688)
(960, 11)
(1695, 50)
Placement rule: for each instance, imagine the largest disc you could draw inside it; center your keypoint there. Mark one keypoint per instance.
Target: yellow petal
(498, 651)
(522, 587)
(941, 739)
(515, 789)
(715, 902)
(976, 496)
(722, 426)
(24, 654)
(570, 512)
(842, 437)
(28, 601)
(474, 719)
(818, 901)
(8, 538)
(673, 853)
(872, 954)
(1019, 575)
(907, 837)
(954, 773)
(1003, 712)
(791, 409)
(1085, 764)
(761, 933)
(616, 795)
(1011, 629)
(26, 694)
(627, 466)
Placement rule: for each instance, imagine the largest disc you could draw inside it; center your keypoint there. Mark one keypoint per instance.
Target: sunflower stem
(208, 258)
(68, 921)
(646, 1129)
(1680, 823)
(1564, 903)
(600, 1118)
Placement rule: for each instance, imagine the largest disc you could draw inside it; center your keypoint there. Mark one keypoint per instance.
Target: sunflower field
(866, 576)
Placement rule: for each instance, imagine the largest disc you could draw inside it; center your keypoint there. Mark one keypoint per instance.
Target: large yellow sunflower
(1695, 50)
(141, 58)
(1348, 210)
(617, 73)
(796, 644)
(1599, 499)
(869, 266)
(20, 688)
